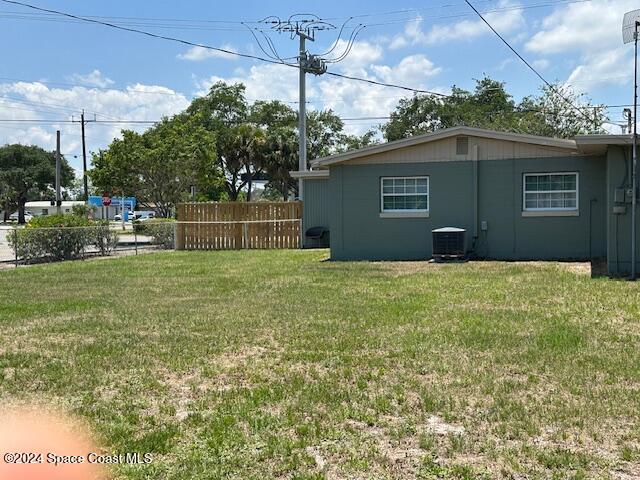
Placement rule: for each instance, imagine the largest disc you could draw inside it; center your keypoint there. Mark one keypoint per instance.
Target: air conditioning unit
(448, 243)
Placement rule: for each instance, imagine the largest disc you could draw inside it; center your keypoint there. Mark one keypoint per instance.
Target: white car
(118, 218)
(144, 214)
(14, 216)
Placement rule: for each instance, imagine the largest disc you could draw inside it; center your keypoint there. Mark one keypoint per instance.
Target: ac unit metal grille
(448, 243)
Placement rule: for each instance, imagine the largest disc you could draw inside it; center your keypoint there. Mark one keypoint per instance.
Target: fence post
(245, 235)
(175, 236)
(301, 234)
(179, 231)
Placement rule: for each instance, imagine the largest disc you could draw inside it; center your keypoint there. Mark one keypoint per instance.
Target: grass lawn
(275, 364)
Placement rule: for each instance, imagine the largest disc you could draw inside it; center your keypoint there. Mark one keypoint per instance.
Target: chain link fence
(23, 246)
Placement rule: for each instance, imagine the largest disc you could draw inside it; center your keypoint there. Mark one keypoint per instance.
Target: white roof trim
(583, 140)
(310, 174)
(442, 134)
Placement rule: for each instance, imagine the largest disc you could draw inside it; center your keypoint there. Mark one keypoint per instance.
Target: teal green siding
(316, 209)
(358, 232)
(619, 224)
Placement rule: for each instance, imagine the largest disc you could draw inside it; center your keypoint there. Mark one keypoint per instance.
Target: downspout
(474, 160)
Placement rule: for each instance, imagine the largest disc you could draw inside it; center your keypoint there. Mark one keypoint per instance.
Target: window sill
(404, 215)
(551, 213)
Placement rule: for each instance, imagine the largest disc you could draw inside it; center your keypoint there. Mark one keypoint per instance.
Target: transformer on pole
(304, 26)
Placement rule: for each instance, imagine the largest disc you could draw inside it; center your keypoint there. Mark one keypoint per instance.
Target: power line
(553, 88)
(373, 117)
(208, 47)
(143, 32)
(52, 121)
(255, 57)
(420, 18)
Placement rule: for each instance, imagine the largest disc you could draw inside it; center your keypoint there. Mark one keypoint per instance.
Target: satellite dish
(629, 25)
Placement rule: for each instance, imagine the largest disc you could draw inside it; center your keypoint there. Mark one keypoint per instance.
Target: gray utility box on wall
(448, 243)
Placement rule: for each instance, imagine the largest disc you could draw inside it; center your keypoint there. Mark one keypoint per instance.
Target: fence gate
(234, 225)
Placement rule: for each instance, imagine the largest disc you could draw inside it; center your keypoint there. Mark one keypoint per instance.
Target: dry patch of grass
(279, 365)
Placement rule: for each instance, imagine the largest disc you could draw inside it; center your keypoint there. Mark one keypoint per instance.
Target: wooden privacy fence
(234, 226)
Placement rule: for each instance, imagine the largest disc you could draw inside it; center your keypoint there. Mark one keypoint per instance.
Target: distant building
(102, 211)
(48, 207)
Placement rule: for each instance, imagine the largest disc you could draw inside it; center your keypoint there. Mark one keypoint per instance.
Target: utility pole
(83, 122)
(58, 162)
(302, 110)
(634, 175)
(630, 29)
(304, 27)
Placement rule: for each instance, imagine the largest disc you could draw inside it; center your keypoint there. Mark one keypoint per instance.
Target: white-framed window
(404, 194)
(550, 192)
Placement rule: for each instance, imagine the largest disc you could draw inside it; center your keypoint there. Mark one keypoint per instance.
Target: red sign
(106, 200)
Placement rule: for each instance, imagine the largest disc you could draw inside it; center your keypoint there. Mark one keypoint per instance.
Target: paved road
(6, 253)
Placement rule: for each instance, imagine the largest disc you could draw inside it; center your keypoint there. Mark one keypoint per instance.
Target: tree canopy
(222, 143)
(490, 106)
(161, 165)
(28, 173)
(219, 144)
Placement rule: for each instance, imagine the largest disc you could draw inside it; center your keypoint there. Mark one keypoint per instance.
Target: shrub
(83, 210)
(104, 239)
(161, 231)
(61, 237)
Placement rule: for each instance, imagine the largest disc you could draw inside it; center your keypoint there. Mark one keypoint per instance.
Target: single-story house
(516, 196)
(47, 207)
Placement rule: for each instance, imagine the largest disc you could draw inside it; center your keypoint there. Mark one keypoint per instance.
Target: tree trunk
(21, 204)
(249, 184)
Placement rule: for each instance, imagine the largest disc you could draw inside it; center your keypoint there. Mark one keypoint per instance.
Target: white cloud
(264, 81)
(601, 69)
(196, 54)
(361, 54)
(541, 64)
(37, 101)
(582, 27)
(348, 98)
(592, 30)
(93, 79)
(507, 19)
(411, 70)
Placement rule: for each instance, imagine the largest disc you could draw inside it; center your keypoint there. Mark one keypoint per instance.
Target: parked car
(144, 214)
(118, 217)
(14, 216)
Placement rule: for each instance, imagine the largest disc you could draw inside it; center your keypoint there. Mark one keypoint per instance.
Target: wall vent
(448, 243)
(462, 145)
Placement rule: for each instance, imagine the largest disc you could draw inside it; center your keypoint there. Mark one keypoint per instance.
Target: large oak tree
(28, 173)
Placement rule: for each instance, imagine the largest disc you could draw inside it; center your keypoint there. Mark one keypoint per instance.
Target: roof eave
(442, 134)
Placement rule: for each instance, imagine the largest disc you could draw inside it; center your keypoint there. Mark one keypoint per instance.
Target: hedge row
(62, 237)
(161, 231)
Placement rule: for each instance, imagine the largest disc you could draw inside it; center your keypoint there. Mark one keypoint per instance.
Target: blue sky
(53, 67)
